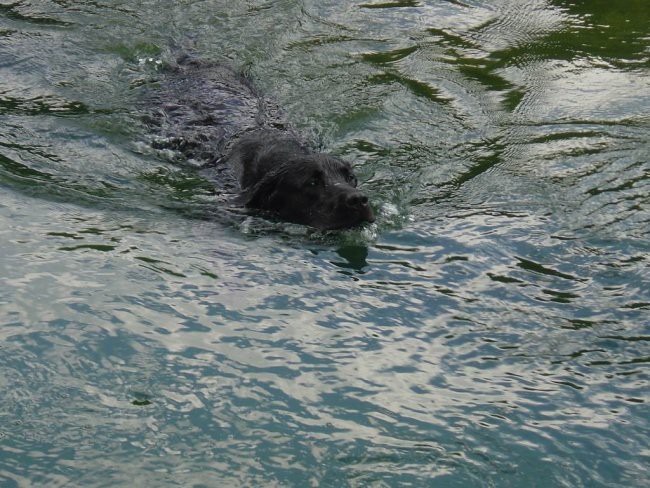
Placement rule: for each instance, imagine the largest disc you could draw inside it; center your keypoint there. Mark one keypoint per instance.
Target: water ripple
(490, 329)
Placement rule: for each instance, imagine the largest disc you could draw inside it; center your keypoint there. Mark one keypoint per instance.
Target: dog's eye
(315, 180)
(352, 180)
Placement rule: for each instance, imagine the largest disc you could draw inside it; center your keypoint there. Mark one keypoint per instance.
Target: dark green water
(491, 329)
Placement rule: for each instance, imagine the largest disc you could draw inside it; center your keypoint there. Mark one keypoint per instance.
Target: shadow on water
(354, 257)
(614, 31)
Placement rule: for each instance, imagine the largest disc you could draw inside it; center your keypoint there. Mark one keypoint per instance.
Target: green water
(490, 329)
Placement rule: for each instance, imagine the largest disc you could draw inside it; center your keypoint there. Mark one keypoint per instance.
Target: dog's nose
(356, 200)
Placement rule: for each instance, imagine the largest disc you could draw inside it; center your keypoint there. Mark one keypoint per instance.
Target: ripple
(395, 4)
(22, 13)
(518, 23)
(387, 57)
(43, 106)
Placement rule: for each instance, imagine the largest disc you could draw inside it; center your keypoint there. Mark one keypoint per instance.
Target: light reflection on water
(490, 330)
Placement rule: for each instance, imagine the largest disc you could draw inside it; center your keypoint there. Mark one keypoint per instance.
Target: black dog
(217, 119)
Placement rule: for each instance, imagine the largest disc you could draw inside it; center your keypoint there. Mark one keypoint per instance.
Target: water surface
(490, 329)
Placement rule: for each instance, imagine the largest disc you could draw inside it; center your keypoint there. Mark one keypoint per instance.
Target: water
(491, 329)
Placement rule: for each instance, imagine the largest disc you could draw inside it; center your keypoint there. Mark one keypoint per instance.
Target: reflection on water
(491, 329)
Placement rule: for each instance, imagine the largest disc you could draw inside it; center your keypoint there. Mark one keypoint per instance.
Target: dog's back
(204, 107)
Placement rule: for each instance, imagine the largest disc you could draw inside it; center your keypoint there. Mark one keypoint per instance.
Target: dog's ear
(264, 194)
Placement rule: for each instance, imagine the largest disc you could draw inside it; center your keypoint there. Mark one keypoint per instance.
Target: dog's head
(313, 189)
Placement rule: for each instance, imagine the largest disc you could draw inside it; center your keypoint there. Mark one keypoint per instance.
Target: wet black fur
(216, 118)
(280, 175)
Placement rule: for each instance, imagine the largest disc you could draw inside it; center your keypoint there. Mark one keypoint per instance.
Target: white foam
(388, 210)
(150, 61)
